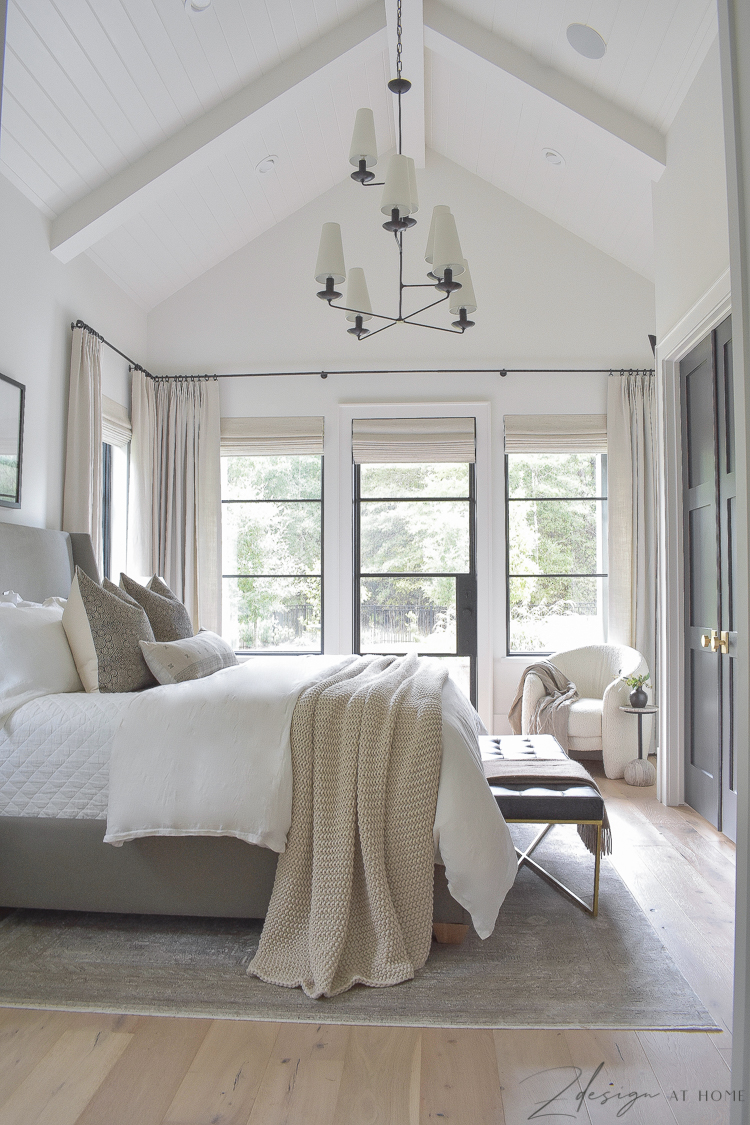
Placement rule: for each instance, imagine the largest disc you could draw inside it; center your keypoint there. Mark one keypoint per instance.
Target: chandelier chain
(398, 39)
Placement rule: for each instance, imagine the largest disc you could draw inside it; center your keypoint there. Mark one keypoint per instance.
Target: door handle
(707, 640)
(719, 642)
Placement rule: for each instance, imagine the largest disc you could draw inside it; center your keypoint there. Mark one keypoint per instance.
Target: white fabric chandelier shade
(463, 298)
(440, 208)
(364, 145)
(397, 191)
(446, 249)
(357, 296)
(413, 186)
(330, 255)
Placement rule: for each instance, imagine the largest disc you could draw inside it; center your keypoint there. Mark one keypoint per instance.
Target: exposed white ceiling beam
(412, 67)
(470, 46)
(106, 207)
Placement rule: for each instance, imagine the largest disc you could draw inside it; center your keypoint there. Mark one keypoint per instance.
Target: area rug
(547, 965)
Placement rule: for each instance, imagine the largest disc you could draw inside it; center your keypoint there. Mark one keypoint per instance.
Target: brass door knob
(707, 640)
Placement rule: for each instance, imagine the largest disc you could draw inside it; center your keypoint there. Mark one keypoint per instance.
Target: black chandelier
(400, 202)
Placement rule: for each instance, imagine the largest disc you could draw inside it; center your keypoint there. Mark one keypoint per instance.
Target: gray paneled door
(709, 492)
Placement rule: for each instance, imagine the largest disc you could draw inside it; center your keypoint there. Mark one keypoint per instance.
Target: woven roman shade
(555, 433)
(268, 437)
(390, 440)
(116, 428)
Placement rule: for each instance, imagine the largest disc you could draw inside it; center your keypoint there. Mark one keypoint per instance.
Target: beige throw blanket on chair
(550, 715)
(352, 899)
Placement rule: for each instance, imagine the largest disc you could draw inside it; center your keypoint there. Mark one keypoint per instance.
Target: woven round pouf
(640, 772)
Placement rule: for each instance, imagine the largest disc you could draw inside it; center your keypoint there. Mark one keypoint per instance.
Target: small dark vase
(638, 697)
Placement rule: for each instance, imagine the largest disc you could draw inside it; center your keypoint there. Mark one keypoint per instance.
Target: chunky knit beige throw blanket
(352, 898)
(550, 713)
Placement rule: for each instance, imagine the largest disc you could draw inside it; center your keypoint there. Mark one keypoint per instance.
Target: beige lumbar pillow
(103, 632)
(173, 662)
(169, 618)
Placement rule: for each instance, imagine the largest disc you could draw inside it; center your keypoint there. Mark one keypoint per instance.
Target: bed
(54, 761)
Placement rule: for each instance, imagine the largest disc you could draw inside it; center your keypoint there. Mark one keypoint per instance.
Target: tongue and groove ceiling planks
(136, 125)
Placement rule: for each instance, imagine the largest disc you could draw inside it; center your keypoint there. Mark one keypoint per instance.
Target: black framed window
(415, 563)
(556, 535)
(115, 477)
(272, 552)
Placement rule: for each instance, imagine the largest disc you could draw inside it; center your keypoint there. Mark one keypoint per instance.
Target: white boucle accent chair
(595, 722)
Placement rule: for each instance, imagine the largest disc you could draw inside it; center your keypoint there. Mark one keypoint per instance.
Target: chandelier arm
(418, 285)
(362, 312)
(436, 327)
(370, 335)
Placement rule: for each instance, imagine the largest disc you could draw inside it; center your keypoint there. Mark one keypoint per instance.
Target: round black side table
(640, 771)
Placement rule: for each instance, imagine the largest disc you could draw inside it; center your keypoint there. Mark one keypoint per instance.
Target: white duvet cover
(213, 757)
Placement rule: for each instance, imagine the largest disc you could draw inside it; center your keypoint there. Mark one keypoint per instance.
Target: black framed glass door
(415, 587)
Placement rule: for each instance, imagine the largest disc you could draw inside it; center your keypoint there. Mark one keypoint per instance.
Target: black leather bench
(544, 800)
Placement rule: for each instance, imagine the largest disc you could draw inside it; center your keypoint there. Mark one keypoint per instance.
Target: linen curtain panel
(174, 526)
(633, 530)
(82, 492)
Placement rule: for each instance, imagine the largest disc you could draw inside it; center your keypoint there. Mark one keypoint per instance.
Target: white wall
(546, 298)
(39, 297)
(691, 241)
(543, 294)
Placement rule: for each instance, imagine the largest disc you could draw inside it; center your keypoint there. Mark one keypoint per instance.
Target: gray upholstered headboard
(39, 564)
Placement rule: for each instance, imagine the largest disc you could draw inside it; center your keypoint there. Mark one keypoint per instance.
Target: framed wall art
(12, 395)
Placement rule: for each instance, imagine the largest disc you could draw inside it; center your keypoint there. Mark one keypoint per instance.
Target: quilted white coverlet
(54, 755)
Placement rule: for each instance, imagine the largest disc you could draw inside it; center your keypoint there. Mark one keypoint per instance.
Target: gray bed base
(54, 863)
(61, 864)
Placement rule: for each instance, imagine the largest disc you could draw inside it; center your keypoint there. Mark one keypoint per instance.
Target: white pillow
(76, 625)
(191, 658)
(35, 657)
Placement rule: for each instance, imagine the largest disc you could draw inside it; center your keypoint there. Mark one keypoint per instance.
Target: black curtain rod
(87, 328)
(501, 371)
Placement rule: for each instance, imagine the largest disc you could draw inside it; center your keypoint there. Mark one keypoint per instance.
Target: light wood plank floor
(71, 1069)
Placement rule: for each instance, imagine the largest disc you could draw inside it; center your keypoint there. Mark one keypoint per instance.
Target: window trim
(509, 500)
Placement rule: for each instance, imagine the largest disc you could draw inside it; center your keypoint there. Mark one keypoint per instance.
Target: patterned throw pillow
(112, 589)
(188, 659)
(103, 632)
(169, 618)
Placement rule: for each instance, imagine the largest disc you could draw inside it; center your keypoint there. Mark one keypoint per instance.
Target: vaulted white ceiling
(136, 125)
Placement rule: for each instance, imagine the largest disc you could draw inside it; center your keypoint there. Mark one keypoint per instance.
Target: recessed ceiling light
(197, 5)
(267, 164)
(586, 41)
(552, 156)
